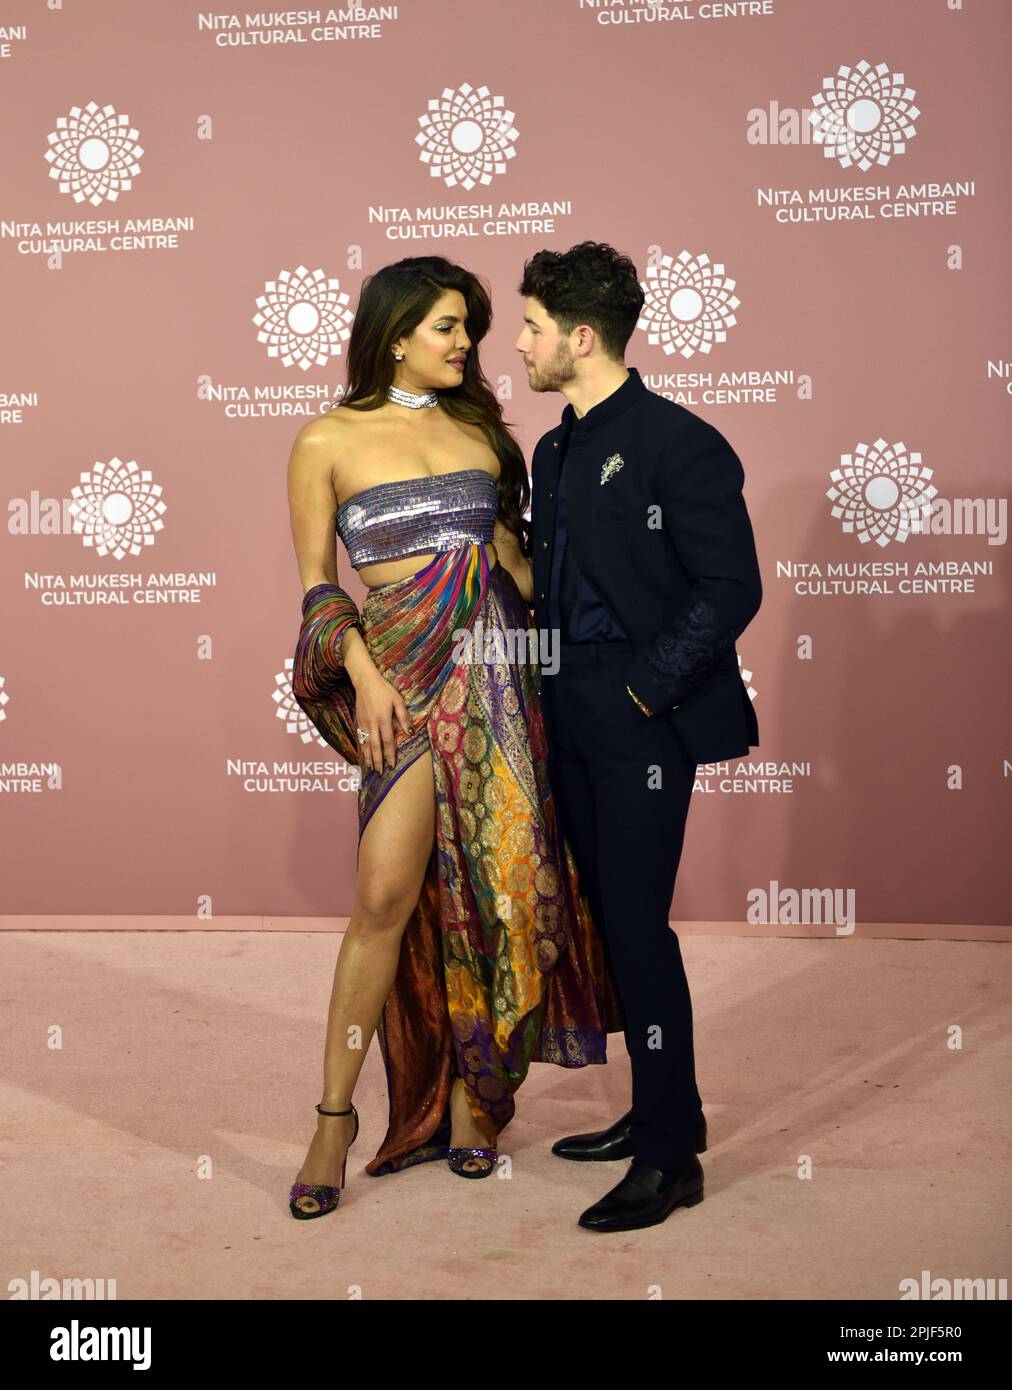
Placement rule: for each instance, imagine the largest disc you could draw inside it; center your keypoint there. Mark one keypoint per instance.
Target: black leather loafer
(645, 1197)
(605, 1145)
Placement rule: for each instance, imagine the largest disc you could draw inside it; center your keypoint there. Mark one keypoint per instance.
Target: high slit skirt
(501, 964)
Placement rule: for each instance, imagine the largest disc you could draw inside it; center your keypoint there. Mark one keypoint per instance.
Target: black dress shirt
(575, 608)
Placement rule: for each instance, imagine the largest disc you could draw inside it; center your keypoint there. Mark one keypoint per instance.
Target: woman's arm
(313, 510)
(510, 557)
(334, 679)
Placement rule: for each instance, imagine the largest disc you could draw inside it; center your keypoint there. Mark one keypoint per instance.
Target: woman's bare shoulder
(337, 423)
(326, 442)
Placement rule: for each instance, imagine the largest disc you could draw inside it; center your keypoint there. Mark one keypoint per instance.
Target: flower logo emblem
(289, 710)
(880, 492)
(863, 115)
(295, 719)
(303, 317)
(466, 137)
(117, 508)
(93, 154)
(689, 304)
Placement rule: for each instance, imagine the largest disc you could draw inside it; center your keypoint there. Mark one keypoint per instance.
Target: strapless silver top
(391, 520)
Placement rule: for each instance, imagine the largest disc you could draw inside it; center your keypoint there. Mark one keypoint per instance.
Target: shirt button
(550, 496)
(540, 595)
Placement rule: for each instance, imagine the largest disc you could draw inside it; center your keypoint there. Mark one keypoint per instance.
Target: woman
(468, 933)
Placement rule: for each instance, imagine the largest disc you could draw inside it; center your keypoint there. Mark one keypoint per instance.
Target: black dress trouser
(605, 759)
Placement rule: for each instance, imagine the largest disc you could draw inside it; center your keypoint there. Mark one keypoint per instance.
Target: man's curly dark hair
(590, 283)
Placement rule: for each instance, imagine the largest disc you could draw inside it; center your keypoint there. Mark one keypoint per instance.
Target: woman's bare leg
(393, 856)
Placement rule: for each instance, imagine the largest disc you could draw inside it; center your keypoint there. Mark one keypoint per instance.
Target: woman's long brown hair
(392, 304)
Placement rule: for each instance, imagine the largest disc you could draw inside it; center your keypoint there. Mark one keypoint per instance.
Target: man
(645, 566)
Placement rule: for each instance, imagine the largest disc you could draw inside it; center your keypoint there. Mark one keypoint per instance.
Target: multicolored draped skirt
(501, 964)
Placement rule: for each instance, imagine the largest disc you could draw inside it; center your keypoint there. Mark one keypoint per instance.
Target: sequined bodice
(415, 515)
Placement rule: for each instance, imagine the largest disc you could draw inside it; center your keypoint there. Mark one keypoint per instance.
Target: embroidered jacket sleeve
(699, 485)
(322, 688)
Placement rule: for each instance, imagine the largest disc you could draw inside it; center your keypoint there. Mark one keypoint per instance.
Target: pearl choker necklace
(415, 400)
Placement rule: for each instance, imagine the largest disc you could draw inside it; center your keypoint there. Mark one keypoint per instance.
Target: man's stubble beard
(557, 372)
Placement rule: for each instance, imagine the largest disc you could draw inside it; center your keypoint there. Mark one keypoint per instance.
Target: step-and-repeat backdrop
(815, 194)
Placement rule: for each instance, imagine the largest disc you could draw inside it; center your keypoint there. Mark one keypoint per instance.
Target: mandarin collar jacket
(659, 526)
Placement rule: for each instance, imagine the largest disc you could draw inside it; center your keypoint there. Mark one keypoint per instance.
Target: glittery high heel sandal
(456, 1158)
(326, 1197)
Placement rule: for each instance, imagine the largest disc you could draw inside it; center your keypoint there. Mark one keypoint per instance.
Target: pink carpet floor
(155, 1144)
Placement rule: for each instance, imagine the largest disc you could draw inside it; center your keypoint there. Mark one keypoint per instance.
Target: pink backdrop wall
(145, 768)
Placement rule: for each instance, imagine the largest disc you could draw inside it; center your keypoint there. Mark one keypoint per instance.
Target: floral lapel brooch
(611, 466)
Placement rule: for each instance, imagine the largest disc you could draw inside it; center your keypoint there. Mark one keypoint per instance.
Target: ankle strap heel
(325, 1196)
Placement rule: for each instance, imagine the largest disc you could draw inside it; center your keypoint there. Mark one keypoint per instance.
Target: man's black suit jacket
(667, 542)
